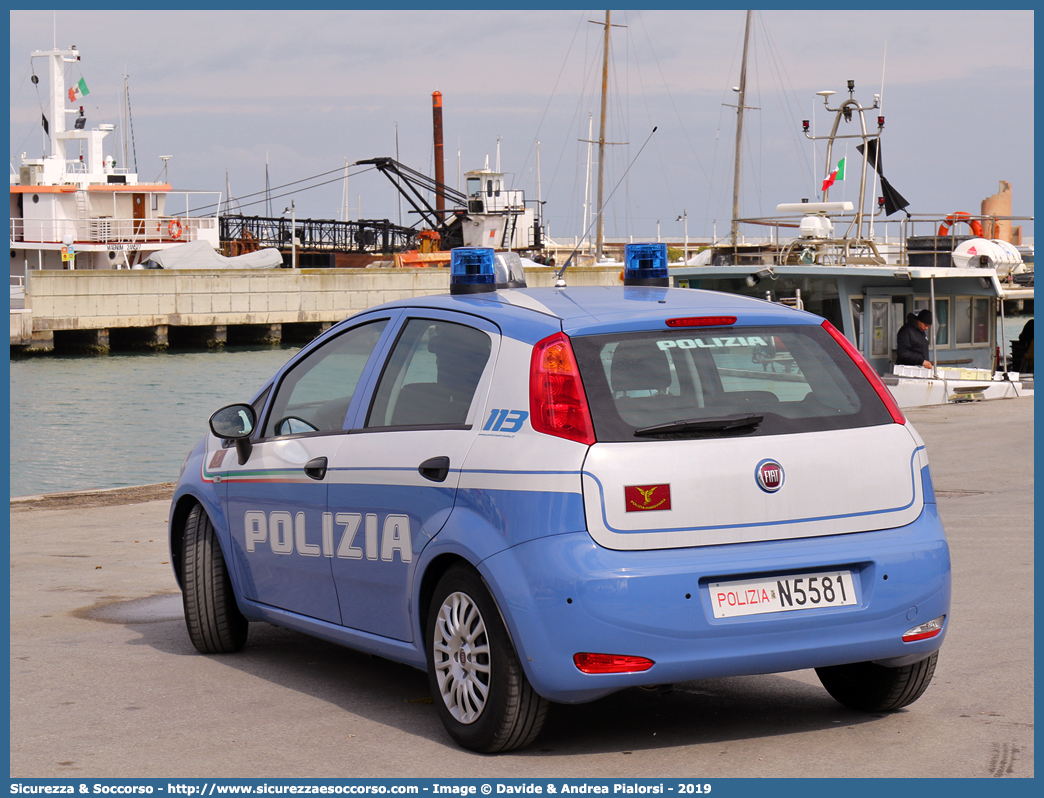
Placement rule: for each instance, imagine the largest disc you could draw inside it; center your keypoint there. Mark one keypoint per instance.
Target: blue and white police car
(542, 495)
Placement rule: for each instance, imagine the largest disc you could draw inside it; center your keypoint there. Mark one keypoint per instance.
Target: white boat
(866, 285)
(75, 208)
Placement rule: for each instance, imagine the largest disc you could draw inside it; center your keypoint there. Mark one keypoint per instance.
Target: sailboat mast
(739, 132)
(601, 141)
(587, 179)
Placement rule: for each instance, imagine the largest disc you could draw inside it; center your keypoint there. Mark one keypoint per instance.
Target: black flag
(47, 130)
(894, 201)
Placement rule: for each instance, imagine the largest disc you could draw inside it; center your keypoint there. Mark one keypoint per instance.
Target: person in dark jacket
(912, 343)
(1026, 339)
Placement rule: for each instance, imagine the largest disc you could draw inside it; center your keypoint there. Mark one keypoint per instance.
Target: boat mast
(739, 132)
(601, 141)
(125, 115)
(587, 180)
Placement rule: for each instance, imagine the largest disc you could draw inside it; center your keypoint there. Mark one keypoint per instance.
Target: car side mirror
(235, 423)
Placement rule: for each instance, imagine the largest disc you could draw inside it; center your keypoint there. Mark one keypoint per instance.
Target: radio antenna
(559, 282)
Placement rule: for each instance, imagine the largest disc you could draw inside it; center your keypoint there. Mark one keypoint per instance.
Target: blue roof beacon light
(646, 264)
(472, 270)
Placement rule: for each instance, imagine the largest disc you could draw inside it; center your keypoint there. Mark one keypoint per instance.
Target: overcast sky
(220, 91)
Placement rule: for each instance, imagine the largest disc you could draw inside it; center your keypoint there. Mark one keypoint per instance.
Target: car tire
(477, 683)
(875, 688)
(215, 624)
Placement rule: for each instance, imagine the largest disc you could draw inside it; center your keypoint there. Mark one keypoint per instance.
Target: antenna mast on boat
(739, 132)
(344, 193)
(123, 119)
(540, 205)
(268, 186)
(130, 123)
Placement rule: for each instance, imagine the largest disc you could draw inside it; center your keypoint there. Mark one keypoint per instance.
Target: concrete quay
(93, 311)
(104, 681)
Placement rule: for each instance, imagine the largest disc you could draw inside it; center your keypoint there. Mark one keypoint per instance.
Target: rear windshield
(723, 382)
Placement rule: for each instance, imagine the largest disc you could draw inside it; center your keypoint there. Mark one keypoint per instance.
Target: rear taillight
(869, 373)
(557, 402)
(611, 663)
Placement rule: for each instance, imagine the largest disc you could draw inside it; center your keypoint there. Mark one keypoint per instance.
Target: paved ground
(104, 681)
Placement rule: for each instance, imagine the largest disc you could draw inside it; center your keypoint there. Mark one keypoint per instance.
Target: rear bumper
(564, 594)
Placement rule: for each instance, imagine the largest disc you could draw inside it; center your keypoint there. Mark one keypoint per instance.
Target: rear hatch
(722, 435)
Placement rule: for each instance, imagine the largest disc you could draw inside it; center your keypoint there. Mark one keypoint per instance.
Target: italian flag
(837, 174)
(78, 91)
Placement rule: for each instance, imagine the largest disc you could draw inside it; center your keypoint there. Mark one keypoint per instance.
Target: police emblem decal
(647, 497)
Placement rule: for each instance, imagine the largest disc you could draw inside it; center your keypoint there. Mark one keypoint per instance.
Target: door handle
(435, 468)
(316, 468)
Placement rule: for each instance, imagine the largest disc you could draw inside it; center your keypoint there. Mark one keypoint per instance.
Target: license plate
(782, 594)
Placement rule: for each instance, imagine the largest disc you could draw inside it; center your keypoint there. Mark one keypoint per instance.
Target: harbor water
(118, 420)
(109, 421)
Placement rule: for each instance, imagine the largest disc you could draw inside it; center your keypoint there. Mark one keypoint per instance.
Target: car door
(276, 500)
(396, 475)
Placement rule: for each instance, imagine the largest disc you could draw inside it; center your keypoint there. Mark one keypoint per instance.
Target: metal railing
(108, 230)
(366, 235)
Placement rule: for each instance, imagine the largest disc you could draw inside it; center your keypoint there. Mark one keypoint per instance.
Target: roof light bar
(472, 270)
(646, 264)
(611, 663)
(703, 321)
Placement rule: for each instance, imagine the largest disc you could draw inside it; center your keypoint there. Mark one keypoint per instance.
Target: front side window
(315, 394)
(726, 382)
(431, 375)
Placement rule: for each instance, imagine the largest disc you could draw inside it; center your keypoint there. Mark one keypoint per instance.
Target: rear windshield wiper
(737, 421)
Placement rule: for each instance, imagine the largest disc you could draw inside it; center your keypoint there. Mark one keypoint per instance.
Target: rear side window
(727, 381)
(431, 376)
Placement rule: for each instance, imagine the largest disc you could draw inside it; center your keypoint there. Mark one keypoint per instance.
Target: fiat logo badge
(769, 475)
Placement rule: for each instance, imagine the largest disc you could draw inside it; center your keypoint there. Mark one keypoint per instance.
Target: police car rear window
(722, 382)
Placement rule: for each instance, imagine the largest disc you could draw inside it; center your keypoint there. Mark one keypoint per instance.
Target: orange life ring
(174, 228)
(961, 216)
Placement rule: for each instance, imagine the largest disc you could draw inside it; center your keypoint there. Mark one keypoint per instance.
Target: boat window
(474, 186)
(940, 321)
(962, 320)
(748, 381)
(880, 340)
(489, 188)
(857, 321)
(972, 320)
(981, 320)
